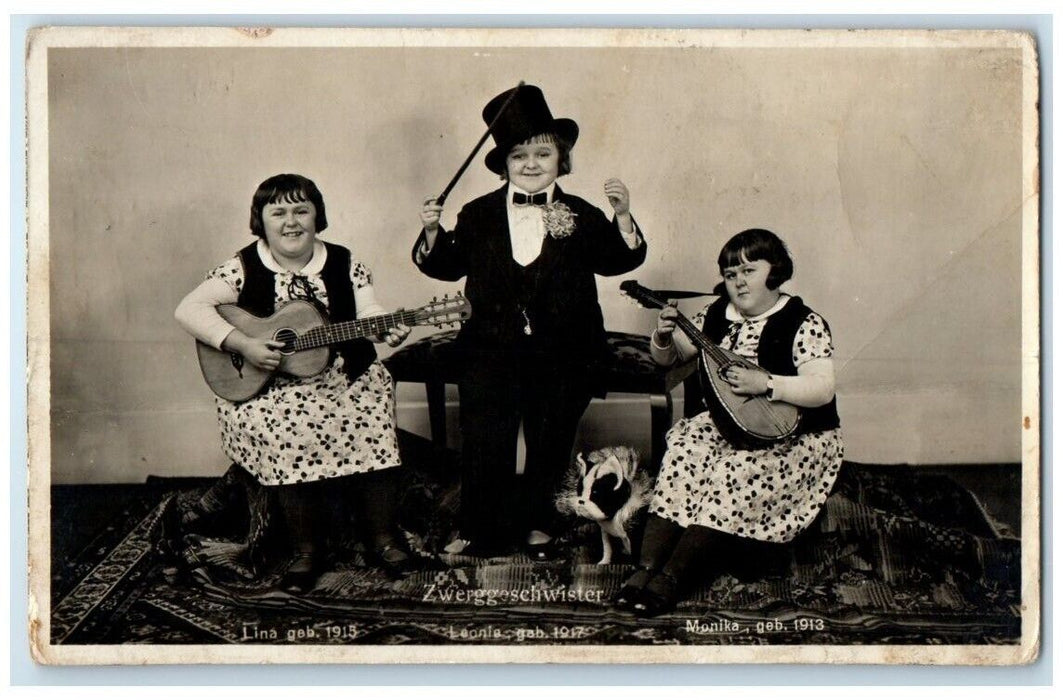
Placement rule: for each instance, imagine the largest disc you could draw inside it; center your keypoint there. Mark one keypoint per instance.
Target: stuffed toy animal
(608, 489)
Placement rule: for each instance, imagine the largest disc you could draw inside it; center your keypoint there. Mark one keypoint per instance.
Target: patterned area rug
(896, 557)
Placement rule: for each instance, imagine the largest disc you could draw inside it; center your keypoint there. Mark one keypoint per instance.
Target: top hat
(526, 115)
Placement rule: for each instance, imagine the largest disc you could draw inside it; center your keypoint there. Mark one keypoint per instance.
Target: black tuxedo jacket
(557, 290)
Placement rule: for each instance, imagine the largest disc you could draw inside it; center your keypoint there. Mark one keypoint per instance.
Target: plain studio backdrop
(894, 174)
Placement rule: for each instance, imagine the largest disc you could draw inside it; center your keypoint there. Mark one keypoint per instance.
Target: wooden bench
(432, 361)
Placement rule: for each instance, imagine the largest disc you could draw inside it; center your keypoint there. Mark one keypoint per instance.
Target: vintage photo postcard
(512, 345)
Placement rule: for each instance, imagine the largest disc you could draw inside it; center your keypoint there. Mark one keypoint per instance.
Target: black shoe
(456, 546)
(628, 594)
(660, 596)
(396, 562)
(544, 551)
(541, 551)
(300, 576)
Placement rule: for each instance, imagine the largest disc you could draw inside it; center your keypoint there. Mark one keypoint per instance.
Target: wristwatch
(771, 388)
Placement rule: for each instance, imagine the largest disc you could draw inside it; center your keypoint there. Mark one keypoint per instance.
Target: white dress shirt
(526, 228)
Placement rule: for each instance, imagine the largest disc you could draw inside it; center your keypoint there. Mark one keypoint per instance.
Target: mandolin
(306, 334)
(746, 420)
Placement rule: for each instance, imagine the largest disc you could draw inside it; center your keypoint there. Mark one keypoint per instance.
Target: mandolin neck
(651, 300)
(353, 330)
(698, 337)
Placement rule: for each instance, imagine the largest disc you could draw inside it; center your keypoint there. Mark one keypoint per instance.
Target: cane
(461, 171)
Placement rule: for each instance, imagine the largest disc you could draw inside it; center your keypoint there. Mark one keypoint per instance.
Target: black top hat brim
(566, 129)
(526, 115)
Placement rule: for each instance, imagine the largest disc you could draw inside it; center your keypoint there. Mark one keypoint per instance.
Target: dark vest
(257, 296)
(774, 353)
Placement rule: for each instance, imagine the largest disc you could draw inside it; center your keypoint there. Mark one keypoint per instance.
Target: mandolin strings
(759, 404)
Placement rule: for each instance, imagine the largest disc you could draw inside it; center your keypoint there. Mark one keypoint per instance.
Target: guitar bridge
(238, 363)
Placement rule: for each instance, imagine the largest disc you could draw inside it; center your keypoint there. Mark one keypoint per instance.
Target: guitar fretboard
(353, 330)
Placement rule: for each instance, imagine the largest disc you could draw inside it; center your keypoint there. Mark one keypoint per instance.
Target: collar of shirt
(732, 314)
(316, 264)
(526, 230)
(513, 188)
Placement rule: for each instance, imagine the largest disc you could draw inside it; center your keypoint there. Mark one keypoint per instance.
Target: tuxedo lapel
(496, 228)
(498, 225)
(551, 253)
(500, 245)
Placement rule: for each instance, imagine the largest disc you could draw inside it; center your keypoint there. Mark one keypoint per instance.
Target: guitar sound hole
(288, 337)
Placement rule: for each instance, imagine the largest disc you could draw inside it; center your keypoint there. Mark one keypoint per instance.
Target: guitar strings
(373, 325)
(352, 330)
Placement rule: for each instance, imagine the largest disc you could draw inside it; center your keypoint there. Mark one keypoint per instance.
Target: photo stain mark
(255, 32)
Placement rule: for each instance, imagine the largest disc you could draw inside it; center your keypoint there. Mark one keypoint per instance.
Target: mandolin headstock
(645, 297)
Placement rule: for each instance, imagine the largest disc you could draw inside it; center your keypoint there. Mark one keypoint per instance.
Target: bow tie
(521, 199)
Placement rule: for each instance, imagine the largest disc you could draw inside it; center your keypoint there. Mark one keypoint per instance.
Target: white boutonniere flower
(560, 221)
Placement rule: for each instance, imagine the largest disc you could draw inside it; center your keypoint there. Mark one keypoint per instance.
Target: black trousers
(497, 505)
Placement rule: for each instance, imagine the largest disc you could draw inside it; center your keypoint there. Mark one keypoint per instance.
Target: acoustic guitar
(748, 421)
(306, 334)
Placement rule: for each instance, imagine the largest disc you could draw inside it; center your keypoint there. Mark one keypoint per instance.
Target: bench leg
(660, 422)
(437, 412)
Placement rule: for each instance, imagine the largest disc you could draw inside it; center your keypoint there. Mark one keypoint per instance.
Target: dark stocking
(658, 539)
(662, 592)
(377, 494)
(696, 543)
(379, 498)
(299, 516)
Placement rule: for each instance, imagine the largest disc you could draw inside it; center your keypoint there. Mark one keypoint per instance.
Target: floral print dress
(768, 494)
(308, 429)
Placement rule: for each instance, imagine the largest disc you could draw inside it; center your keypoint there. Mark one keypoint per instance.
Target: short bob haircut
(564, 153)
(759, 244)
(288, 188)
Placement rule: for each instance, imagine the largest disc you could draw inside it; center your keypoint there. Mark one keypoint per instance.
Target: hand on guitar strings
(260, 352)
(745, 381)
(394, 337)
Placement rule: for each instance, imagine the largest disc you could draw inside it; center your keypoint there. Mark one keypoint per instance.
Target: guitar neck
(353, 330)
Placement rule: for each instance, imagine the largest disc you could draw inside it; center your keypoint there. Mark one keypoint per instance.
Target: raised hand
(618, 196)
